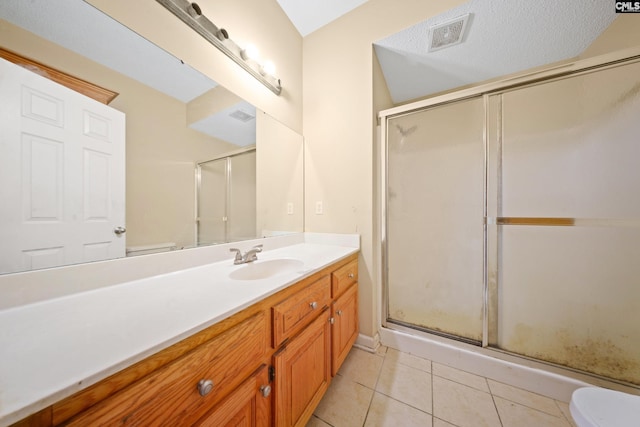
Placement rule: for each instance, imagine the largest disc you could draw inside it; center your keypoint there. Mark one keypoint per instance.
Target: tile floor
(397, 389)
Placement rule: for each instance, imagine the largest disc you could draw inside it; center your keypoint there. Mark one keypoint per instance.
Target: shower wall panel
(435, 176)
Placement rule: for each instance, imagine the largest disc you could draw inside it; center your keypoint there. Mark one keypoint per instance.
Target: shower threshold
(435, 332)
(493, 362)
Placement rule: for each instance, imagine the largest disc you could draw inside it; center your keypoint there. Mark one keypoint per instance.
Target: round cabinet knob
(351, 276)
(313, 305)
(119, 230)
(339, 312)
(265, 390)
(205, 387)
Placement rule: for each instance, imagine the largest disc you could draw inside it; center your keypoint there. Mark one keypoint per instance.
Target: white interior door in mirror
(61, 174)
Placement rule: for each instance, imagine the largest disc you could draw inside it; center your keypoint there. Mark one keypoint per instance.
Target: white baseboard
(367, 343)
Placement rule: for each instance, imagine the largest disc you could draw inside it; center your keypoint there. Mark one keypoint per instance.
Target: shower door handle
(119, 231)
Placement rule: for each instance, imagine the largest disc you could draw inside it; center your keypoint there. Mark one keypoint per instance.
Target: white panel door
(62, 170)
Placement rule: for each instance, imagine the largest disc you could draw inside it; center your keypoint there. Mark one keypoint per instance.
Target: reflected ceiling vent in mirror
(447, 34)
(243, 116)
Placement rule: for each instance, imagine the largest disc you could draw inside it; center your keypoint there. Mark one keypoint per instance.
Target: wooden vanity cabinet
(315, 329)
(270, 364)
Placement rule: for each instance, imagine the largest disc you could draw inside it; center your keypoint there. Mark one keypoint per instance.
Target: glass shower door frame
(492, 179)
(227, 198)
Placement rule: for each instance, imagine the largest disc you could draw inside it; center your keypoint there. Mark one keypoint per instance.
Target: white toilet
(600, 407)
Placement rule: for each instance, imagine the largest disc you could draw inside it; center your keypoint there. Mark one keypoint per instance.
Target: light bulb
(250, 52)
(269, 68)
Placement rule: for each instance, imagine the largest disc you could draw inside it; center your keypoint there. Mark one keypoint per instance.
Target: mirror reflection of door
(61, 174)
(227, 199)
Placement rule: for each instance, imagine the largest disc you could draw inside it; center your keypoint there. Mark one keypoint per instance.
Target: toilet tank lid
(600, 407)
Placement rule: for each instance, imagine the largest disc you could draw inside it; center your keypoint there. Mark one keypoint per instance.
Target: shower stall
(226, 198)
(511, 219)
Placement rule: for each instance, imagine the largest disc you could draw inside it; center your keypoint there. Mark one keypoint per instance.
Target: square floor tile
(462, 377)
(388, 412)
(524, 397)
(516, 415)
(316, 422)
(463, 406)
(406, 384)
(408, 359)
(345, 403)
(362, 367)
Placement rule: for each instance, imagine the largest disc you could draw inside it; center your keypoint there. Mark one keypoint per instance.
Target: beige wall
(279, 170)
(339, 126)
(161, 151)
(260, 22)
(623, 33)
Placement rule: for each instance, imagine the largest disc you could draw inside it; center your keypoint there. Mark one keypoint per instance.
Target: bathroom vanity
(267, 361)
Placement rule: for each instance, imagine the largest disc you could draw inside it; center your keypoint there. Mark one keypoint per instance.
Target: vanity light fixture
(191, 14)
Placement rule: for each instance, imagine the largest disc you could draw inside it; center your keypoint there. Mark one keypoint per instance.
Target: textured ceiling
(502, 37)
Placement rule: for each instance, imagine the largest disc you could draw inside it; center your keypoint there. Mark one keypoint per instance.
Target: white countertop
(54, 348)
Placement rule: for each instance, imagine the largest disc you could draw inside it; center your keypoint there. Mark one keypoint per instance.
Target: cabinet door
(303, 373)
(345, 326)
(248, 406)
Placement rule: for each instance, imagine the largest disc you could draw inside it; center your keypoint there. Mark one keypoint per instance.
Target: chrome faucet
(250, 256)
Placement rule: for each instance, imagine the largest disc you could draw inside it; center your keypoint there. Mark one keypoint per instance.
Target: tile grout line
(570, 421)
(493, 399)
(511, 400)
(374, 390)
(433, 404)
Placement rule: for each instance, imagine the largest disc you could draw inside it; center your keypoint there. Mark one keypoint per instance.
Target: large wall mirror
(198, 165)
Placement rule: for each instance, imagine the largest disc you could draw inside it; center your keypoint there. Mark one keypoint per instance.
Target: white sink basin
(257, 270)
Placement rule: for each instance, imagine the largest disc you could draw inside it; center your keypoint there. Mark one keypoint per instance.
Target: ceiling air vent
(242, 116)
(448, 33)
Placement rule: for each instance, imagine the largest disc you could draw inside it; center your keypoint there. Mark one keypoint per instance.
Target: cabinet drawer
(343, 277)
(247, 405)
(294, 313)
(170, 395)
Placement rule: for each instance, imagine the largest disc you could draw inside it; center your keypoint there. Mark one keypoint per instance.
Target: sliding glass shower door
(435, 219)
(569, 222)
(226, 199)
(512, 220)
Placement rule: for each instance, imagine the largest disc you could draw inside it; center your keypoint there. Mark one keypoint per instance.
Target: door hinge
(272, 373)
